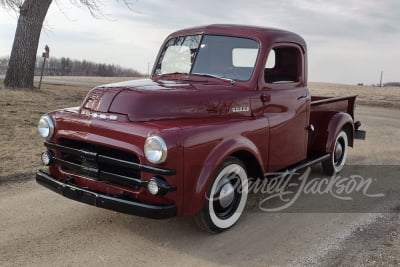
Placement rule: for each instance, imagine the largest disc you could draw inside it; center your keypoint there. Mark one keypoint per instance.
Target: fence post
(45, 56)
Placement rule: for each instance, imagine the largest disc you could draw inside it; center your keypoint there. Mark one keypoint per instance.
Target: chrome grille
(98, 162)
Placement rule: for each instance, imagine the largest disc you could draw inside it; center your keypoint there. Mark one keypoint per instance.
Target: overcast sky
(349, 41)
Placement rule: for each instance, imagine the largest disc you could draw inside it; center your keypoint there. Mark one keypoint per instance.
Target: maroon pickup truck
(224, 103)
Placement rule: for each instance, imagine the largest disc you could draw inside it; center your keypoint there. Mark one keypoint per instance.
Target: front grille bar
(89, 171)
(101, 175)
(103, 159)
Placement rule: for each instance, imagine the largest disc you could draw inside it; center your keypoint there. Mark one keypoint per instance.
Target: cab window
(283, 65)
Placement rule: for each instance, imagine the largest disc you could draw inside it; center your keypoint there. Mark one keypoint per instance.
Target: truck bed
(342, 104)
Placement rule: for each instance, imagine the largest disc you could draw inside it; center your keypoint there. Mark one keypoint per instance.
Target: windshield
(209, 55)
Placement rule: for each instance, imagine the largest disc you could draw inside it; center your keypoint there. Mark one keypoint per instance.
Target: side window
(270, 60)
(283, 65)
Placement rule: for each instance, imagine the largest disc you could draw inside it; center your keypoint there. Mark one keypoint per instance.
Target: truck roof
(262, 34)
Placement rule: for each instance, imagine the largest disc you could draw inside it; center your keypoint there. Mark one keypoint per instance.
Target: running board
(302, 165)
(308, 163)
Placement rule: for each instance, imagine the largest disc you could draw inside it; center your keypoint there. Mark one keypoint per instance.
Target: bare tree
(20, 72)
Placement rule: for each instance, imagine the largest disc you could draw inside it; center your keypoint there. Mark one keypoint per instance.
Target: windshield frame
(195, 56)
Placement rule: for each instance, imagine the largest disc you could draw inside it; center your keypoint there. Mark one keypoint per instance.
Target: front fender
(194, 202)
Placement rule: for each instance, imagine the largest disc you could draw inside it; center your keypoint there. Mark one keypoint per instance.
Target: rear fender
(338, 122)
(327, 125)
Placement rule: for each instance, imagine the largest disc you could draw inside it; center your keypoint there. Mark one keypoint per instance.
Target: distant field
(367, 95)
(21, 109)
(82, 81)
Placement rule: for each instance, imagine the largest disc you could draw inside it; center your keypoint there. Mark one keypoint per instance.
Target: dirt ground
(40, 228)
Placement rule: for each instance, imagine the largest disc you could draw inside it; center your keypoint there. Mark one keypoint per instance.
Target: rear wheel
(226, 197)
(337, 159)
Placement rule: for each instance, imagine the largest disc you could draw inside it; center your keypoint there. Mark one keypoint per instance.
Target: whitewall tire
(226, 197)
(337, 159)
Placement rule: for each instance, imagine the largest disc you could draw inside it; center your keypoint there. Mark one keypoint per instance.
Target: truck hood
(146, 100)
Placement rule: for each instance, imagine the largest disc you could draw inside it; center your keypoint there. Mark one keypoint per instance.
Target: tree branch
(12, 4)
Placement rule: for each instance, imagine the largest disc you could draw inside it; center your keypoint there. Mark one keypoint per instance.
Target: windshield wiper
(172, 73)
(214, 76)
(167, 75)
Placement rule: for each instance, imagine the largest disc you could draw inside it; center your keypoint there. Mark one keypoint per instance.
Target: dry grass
(367, 95)
(21, 145)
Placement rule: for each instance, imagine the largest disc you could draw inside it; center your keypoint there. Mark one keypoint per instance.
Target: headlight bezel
(46, 127)
(155, 149)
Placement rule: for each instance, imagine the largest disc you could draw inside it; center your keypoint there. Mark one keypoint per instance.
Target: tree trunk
(21, 67)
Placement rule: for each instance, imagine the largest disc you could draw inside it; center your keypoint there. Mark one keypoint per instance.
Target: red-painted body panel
(330, 115)
(205, 120)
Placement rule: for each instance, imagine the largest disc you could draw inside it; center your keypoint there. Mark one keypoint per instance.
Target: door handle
(303, 96)
(265, 98)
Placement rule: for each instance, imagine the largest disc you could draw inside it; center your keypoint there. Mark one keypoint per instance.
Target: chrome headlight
(155, 149)
(46, 127)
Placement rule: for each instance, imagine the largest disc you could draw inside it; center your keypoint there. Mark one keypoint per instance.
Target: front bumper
(104, 201)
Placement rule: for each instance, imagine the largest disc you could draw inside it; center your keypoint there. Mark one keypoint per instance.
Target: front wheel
(226, 197)
(337, 159)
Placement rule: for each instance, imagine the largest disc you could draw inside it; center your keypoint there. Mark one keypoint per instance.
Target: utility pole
(380, 83)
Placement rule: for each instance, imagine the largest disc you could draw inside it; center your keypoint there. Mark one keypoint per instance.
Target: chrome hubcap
(226, 195)
(338, 152)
